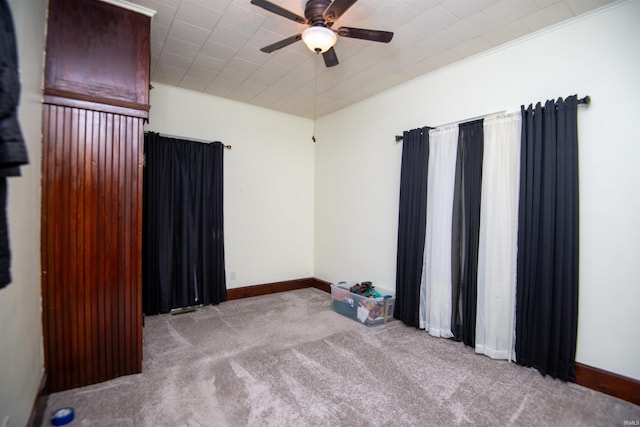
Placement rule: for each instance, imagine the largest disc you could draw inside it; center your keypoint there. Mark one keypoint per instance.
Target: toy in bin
(362, 302)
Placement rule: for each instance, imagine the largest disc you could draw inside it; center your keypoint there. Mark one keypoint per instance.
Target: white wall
(268, 180)
(358, 165)
(21, 358)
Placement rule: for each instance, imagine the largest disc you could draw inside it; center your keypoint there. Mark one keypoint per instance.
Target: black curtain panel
(412, 220)
(466, 231)
(183, 240)
(547, 274)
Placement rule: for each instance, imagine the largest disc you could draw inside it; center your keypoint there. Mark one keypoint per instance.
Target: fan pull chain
(315, 95)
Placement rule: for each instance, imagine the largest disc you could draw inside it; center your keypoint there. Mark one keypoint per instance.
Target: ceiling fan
(320, 37)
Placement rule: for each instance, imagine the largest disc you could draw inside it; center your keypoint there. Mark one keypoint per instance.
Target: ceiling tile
(190, 33)
(173, 60)
(201, 74)
(159, 32)
(465, 8)
(220, 87)
(437, 42)
(247, 92)
(245, 19)
(192, 83)
(214, 46)
(181, 48)
(218, 51)
(441, 59)
(167, 74)
(252, 54)
(506, 33)
(265, 78)
(420, 5)
(208, 63)
(219, 5)
(583, 6)
(242, 66)
(471, 27)
(164, 12)
(550, 15)
(471, 47)
(544, 3)
(232, 75)
(229, 36)
(415, 70)
(433, 20)
(198, 15)
(393, 14)
(507, 11)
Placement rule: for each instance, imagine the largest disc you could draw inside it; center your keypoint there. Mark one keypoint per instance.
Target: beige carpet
(288, 360)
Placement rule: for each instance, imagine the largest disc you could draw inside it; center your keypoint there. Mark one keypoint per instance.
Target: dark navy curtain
(412, 221)
(183, 239)
(466, 231)
(547, 272)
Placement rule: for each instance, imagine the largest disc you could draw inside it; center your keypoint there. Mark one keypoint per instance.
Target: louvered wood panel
(91, 245)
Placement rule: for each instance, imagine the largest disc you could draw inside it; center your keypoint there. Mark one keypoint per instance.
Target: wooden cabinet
(96, 98)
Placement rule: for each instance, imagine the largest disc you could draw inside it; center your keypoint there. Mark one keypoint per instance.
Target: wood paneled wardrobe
(95, 101)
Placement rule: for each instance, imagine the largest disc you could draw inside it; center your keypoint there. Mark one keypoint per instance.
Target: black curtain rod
(228, 147)
(586, 100)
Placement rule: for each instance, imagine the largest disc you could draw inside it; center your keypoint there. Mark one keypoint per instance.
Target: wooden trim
(609, 383)
(275, 287)
(268, 288)
(321, 284)
(69, 99)
(132, 7)
(39, 405)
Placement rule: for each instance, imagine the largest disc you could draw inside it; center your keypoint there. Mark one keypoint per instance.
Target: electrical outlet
(232, 276)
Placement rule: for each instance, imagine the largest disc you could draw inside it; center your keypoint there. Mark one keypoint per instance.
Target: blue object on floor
(62, 416)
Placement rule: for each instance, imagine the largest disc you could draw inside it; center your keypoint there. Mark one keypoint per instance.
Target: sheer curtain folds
(183, 239)
(497, 249)
(500, 258)
(466, 229)
(435, 286)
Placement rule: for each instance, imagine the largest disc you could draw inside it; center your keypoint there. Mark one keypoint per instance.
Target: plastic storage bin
(369, 311)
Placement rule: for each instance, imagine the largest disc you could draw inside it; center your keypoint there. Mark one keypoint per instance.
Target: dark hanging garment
(13, 151)
(466, 231)
(412, 222)
(547, 271)
(183, 239)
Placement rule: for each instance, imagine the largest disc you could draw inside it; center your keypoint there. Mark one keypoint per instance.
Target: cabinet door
(91, 245)
(98, 52)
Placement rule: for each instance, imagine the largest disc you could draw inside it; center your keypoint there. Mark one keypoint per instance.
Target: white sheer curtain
(435, 287)
(497, 254)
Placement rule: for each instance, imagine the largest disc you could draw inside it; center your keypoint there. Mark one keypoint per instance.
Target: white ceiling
(213, 46)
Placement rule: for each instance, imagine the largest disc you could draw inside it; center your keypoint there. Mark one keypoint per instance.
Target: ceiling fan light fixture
(319, 39)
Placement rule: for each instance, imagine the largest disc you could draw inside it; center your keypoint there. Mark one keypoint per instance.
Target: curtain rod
(586, 100)
(228, 147)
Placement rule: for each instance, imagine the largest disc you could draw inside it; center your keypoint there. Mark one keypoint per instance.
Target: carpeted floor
(288, 360)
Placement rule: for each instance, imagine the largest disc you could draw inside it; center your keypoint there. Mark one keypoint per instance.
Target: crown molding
(130, 6)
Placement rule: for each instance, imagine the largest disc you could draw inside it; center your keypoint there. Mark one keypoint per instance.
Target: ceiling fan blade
(365, 34)
(336, 9)
(279, 10)
(281, 43)
(330, 58)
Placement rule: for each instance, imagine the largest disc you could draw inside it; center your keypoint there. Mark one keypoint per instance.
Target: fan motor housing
(313, 11)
